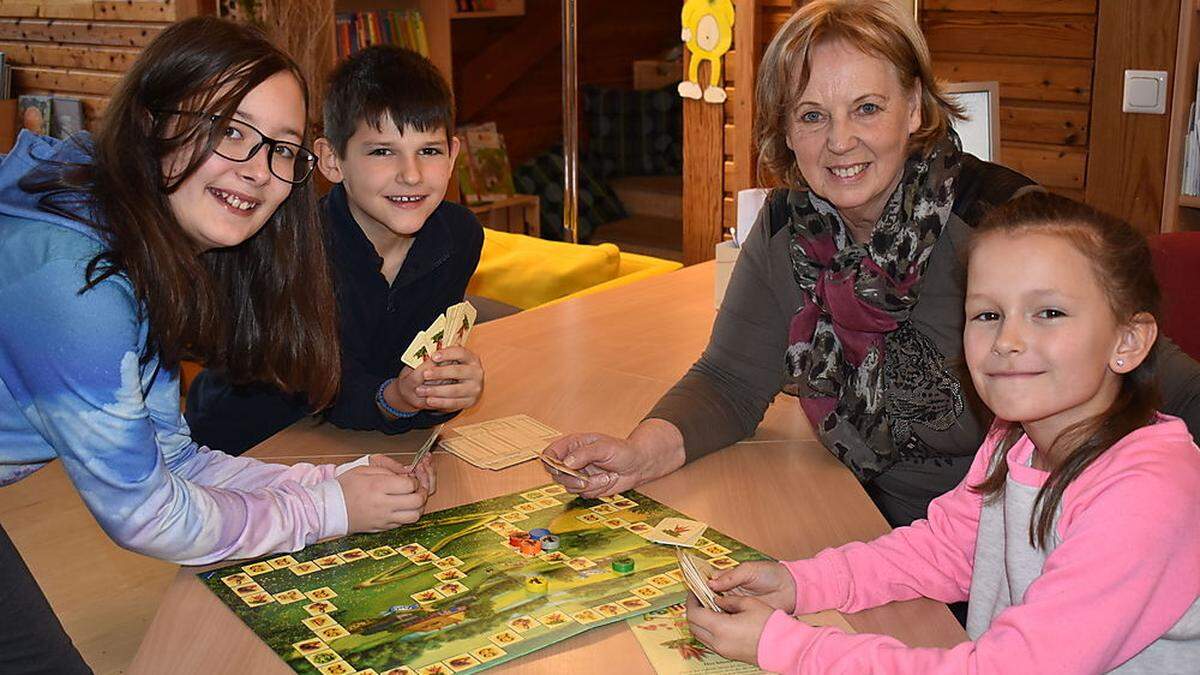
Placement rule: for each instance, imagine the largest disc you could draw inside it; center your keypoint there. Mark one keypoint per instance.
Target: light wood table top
(589, 364)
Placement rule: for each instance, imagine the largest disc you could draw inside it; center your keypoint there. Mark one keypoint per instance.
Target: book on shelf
(34, 113)
(358, 30)
(5, 77)
(483, 170)
(57, 116)
(1190, 183)
(66, 116)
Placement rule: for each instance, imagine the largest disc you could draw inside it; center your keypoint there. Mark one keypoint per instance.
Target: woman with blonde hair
(849, 289)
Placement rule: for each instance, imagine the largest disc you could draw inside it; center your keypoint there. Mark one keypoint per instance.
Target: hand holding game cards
(447, 330)
(455, 380)
(768, 581)
(696, 575)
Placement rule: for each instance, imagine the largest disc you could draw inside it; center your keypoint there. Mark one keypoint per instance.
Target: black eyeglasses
(239, 142)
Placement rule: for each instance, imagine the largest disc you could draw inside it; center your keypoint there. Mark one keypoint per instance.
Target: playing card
(454, 316)
(464, 321)
(426, 446)
(696, 574)
(417, 351)
(553, 463)
(678, 532)
(435, 335)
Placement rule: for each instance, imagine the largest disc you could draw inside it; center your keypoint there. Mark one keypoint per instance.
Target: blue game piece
(538, 533)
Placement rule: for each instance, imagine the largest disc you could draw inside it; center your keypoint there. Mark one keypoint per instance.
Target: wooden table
(518, 213)
(594, 363)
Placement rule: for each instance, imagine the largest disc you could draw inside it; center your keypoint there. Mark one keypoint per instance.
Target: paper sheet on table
(671, 649)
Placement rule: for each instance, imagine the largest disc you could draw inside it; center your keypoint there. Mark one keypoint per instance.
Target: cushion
(526, 272)
(634, 133)
(543, 176)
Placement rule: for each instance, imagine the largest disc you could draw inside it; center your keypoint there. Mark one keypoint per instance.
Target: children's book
(35, 113)
(66, 116)
(487, 159)
(358, 30)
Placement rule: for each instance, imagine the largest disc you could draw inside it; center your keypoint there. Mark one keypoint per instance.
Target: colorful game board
(449, 593)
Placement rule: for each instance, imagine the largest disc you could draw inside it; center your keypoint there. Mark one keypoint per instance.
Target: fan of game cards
(448, 330)
(696, 573)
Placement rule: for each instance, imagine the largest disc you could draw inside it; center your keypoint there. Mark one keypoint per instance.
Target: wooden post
(746, 42)
(703, 180)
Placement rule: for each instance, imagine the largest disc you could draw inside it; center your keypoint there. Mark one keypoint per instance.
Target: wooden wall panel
(1127, 165)
(1040, 122)
(96, 82)
(1036, 6)
(1035, 79)
(133, 34)
(80, 48)
(1012, 33)
(1042, 55)
(1053, 166)
(116, 59)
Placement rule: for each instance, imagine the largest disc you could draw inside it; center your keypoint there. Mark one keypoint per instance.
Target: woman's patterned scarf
(854, 295)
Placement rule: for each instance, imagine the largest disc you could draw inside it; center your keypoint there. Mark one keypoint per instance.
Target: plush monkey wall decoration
(708, 32)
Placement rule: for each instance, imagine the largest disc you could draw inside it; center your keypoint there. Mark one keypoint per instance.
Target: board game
(452, 593)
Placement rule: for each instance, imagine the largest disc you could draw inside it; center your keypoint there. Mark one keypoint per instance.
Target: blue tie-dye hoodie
(72, 387)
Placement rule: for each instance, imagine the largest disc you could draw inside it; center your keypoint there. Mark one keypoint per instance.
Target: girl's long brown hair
(1120, 258)
(263, 310)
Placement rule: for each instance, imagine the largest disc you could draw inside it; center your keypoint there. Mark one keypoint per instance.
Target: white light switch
(1145, 92)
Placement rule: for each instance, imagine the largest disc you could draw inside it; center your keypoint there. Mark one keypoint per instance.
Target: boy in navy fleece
(401, 256)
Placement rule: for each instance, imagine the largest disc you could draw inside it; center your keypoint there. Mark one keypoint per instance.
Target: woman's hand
(770, 582)
(653, 449)
(733, 634)
(382, 495)
(453, 381)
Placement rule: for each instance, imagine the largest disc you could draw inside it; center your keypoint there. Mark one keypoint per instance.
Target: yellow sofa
(528, 272)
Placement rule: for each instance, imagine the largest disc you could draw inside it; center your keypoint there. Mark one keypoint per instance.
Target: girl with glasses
(184, 229)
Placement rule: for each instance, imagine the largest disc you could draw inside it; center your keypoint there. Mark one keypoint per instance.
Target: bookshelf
(436, 16)
(1182, 212)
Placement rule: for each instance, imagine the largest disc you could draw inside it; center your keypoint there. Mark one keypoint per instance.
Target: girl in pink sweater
(1076, 533)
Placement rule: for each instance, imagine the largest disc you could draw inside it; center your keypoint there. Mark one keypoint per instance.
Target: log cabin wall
(1043, 54)
(81, 48)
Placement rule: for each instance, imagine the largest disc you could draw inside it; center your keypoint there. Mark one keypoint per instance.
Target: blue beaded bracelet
(384, 406)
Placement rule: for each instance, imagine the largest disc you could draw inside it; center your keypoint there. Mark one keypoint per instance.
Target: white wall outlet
(1145, 92)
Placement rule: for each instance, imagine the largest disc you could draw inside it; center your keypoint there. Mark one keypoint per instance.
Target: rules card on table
(499, 443)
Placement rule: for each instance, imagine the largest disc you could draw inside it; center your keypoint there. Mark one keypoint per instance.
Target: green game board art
(450, 594)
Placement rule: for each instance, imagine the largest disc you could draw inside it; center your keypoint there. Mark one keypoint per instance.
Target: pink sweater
(1121, 572)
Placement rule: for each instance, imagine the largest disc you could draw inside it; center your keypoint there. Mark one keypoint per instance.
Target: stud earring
(1120, 363)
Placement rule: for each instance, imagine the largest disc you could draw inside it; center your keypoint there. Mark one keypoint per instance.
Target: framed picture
(980, 132)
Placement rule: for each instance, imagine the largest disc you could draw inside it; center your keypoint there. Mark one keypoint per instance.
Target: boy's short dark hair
(386, 80)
